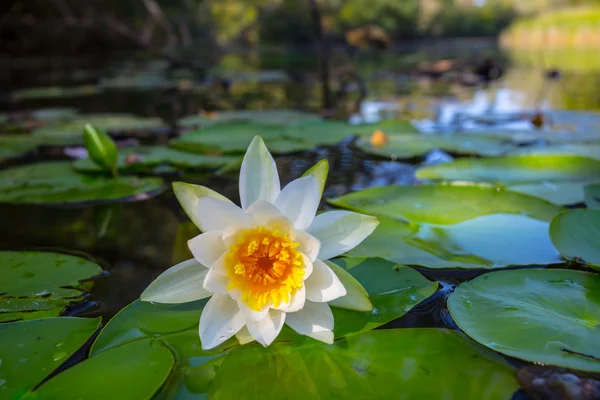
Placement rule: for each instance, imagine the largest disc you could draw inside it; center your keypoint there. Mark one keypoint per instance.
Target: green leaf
(409, 146)
(459, 203)
(385, 364)
(392, 288)
(58, 183)
(31, 350)
(592, 195)
(142, 159)
(562, 193)
(548, 316)
(41, 281)
(473, 244)
(356, 297)
(515, 169)
(174, 324)
(70, 131)
(189, 196)
(102, 150)
(320, 171)
(268, 117)
(576, 235)
(542, 175)
(135, 371)
(591, 150)
(235, 138)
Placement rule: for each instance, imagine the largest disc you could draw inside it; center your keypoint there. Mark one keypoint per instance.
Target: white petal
(299, 201)
(323, 285)
(189, 195)
(243, 336)
(308, 266)
(178, 284)
(258, 175)
(220, 320)
(266, 330)
(216, 215)
(207, 247)
(263, 212)
(252, 315)
(314, 320)
(341, 231)
(309, 245)
(216, 280)
(296, 303)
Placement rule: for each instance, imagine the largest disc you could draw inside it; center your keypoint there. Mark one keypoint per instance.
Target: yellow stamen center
(264, 265)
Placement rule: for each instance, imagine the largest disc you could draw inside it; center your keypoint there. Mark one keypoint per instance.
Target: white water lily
(263, 264)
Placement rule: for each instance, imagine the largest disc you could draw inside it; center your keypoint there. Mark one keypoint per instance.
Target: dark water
(135, 242)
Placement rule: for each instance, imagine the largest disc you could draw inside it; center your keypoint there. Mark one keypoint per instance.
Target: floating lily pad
(557, 178)
(444, 204)
(31, 350)
(548, 316)
(235, 138)
(590, 150)
(41, 284)
(386, 364)
(474, 244)
(54, 114)
(72, 130)
(58, 183)
(393, 289)
(576, 234)
(144, 158)
(271, 117)
(12, 146)
(471, 228)
(515, 169)
(592, 195)
(409, 145)
(135, 371)
(54, 92)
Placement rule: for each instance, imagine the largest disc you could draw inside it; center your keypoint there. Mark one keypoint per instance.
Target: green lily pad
(31, 350)
(271, 117)
(393, 289)
(41, 284)
(562, 193)
(136, 371)
(515, 169)
(144, 158)
(409, 145)
(386, 364)
(235, 138)
(590, 150)
(471, 228)
(12, 146)
(174, 324)
(55, 114)
(557, 178)
(71, 131)
(576, 235)
(474, 244)
(548, 316)
(444, 204)
(54, 92)
(58, 183)
(592, 195)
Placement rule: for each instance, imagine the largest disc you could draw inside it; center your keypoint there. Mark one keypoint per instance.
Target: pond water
(136, 241)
